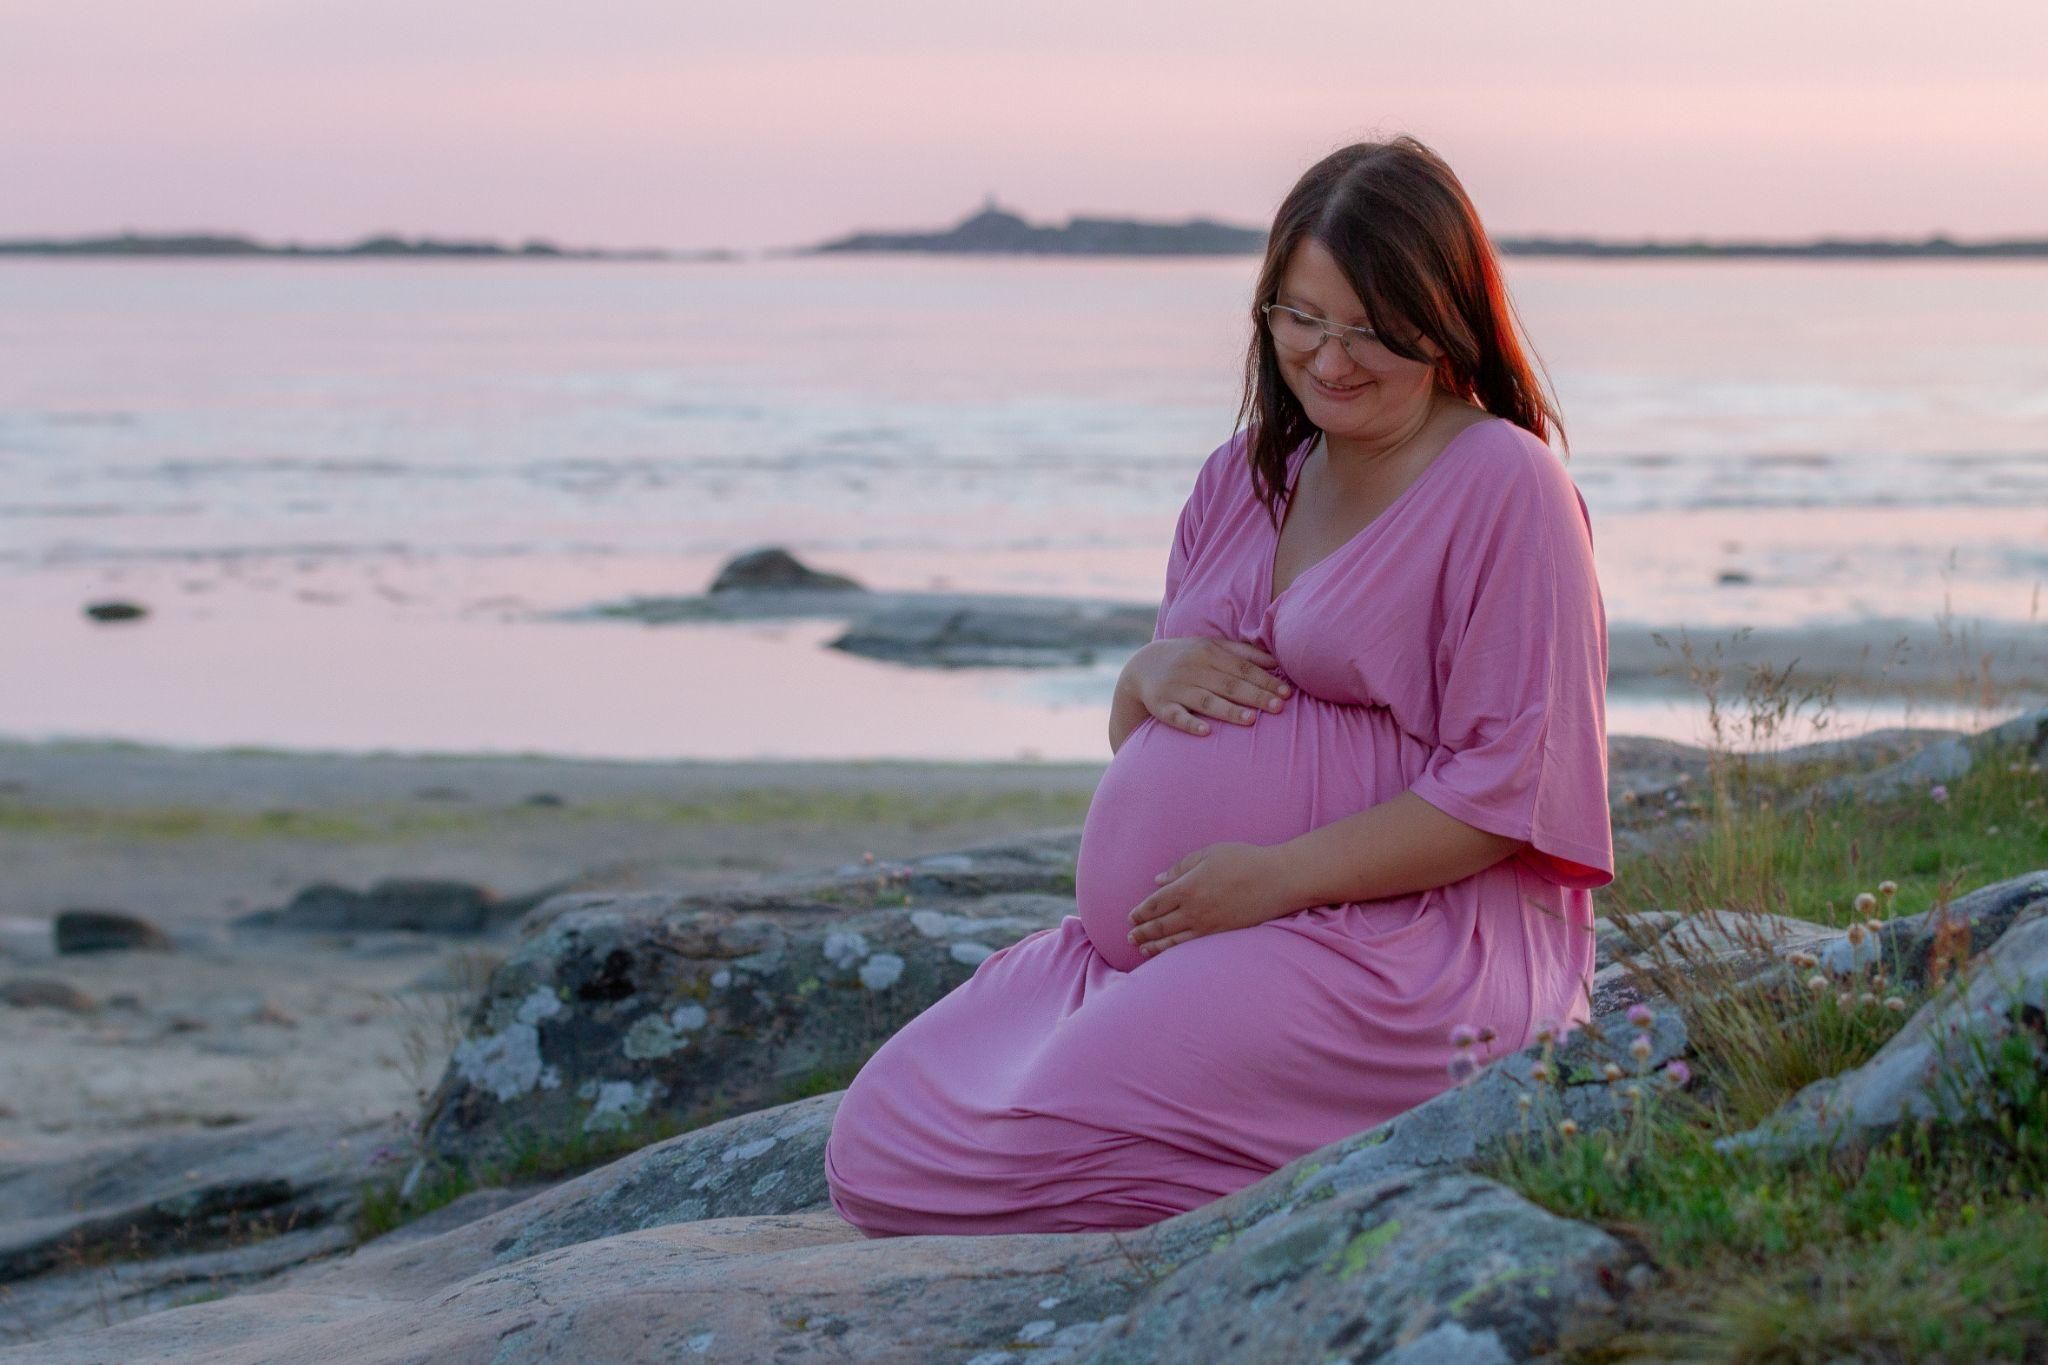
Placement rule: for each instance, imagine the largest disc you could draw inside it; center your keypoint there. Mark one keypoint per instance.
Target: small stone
(269, 1012)
(41, 992)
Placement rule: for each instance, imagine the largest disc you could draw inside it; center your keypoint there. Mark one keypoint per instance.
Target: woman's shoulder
(1510, 450)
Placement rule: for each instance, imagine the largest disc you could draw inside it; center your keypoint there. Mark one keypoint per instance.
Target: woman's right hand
(1180, 681)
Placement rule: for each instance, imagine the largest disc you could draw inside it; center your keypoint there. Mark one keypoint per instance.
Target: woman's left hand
(1222, 886)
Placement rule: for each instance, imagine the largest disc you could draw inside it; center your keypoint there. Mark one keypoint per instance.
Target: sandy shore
(229, 1025)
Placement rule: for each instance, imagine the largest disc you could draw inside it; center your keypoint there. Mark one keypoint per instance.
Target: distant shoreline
(996, 233)
(382, 247)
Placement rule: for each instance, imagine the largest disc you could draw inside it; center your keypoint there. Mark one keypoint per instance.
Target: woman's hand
(1180, 681)
(1222, 886)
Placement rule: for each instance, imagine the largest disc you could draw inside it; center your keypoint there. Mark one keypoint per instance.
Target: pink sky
(688, 124)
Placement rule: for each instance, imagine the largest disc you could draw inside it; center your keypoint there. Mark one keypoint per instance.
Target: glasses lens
(1292, 330)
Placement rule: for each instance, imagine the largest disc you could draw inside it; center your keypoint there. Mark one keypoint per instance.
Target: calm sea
(344, 489)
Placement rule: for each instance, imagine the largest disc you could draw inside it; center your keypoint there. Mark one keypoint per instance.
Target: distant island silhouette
(994, 230)
(383, 244)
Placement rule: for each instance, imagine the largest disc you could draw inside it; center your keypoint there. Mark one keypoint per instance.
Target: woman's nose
(1329, 359)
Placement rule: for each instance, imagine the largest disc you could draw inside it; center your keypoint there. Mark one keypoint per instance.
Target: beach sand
(229, 1025)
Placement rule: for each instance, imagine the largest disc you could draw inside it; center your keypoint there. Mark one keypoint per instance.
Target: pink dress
(1456, 648)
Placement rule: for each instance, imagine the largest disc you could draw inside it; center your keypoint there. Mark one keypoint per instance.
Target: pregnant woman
(1359, 791)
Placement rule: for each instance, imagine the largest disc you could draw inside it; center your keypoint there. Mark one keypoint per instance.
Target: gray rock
(1022, 634)
(622, 1010)
(182, 1192)
(1616, 933)
(1740, 944)
(1934, 1067)
(601, 1269)
(1949, 758)
(104, 931)
(420, 904)
(132, 1225)
(397, 905)
(43, 992)
(116, 611)
(1905, 946)
(775, 567)
(1414, 1263)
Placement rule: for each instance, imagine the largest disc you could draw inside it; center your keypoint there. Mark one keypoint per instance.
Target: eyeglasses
(1295, 330)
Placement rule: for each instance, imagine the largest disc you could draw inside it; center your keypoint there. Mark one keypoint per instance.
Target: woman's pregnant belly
(1167, 793)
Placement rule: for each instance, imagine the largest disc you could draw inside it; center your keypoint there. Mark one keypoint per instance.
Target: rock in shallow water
(106, 931)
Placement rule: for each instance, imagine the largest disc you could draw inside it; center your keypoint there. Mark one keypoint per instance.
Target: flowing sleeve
(1522, 672)
(1187, 531)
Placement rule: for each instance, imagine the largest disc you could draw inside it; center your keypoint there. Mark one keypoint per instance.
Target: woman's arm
(1399, 846)
(1391, 849)
(1126, 712)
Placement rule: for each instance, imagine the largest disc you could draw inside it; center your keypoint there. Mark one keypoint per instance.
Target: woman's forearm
(1126, 712)
(1391, 849)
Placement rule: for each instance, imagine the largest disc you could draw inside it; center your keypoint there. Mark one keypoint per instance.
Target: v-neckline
(1271, 598)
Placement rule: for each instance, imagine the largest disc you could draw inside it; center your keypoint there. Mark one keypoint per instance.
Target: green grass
(1809, 858)
(527, 1157)
(1925, 1247)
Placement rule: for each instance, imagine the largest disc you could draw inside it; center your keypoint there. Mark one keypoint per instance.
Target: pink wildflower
(1640, 1015)
(1677, 1072)
(1938, 794)
(1464, 1035)
(1462, 1065)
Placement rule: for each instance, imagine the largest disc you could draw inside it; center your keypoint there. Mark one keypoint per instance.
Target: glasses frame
(1344, 335)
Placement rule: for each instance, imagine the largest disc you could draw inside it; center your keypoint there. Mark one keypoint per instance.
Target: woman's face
(1373, 395)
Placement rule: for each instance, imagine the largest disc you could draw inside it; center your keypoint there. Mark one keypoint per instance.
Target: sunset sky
(685, 124)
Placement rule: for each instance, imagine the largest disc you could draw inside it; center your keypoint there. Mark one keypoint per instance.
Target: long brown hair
(1406, 236)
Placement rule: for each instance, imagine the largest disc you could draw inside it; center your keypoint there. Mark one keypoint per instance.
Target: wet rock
(775, 567)
(619, 1010)
(49, 993)
(1937, 1066)
(104, 931)
(116, 611)
(1016, 635)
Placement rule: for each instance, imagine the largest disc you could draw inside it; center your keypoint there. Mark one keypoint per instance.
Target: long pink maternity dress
(1456, 648)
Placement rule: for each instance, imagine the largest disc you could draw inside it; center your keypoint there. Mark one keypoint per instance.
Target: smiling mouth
(1340, 388)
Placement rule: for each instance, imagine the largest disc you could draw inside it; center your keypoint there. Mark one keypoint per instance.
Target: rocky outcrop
(1737, 946)
(1948, 758)
(1945, 1064)
(719, 1245)
(138, 1224)
(1916, 948)
(618, 1011)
